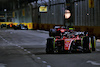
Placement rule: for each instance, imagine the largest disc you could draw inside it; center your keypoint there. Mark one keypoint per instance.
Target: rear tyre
(87, 45)
(93, 41)
(49, 46)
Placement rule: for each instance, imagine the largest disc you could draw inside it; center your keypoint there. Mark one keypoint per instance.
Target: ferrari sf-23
(67, 40)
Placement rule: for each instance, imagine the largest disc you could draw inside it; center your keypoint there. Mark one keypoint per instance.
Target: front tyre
(87, 47)
(93, 41)
(49, 46)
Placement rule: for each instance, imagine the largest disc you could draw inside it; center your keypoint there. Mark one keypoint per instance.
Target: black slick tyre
(49, 46)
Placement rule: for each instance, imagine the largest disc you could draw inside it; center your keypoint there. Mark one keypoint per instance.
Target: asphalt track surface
(26, 48)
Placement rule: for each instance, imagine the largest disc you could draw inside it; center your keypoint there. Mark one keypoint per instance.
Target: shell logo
(67, 41)
(29, 25)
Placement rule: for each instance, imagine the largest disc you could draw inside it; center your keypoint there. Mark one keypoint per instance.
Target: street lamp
(67, 14)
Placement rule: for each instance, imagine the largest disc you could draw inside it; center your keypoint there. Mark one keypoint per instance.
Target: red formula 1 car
(69, 42)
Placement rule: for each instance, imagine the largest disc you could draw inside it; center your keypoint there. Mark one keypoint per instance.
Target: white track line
(2, 65)
(44, 62)
(25, 50)
(38, 58)
(22, 48)
(97, 49)
(48, 66)
(28, 52)
(93, 62)
(19, 46)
